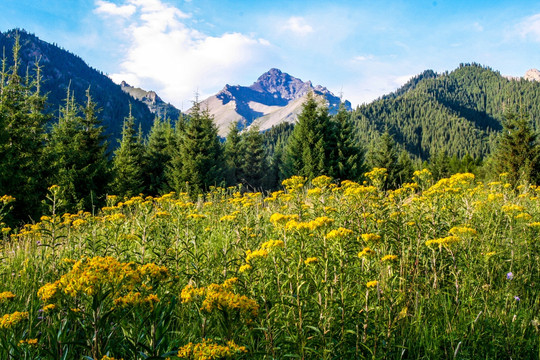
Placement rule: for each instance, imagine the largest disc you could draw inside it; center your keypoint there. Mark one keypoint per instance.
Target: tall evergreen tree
(127, 162)
(233, 155)
(253, 163)
(349, 155)
(201, 155)
(77, 150)
(385, 155)
(157, 156)
(517, 152)
(22, 132)
(312, 143)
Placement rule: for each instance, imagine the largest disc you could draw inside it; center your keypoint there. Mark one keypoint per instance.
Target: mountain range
(459, 112)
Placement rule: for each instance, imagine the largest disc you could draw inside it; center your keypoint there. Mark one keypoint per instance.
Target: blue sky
(362, 49)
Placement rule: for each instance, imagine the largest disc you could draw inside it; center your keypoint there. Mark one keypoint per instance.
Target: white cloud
(109, 9)
(530, 26)
(478, 27)
(363, 58)
(298, 26)
(175, 60)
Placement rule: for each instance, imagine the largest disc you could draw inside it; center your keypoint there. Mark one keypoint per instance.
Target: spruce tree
(76, 149)
(517, 152)
(22, 122)
(253, 163)
(385, 155)
(233, 155)
(200, 156)
(127, 162)
(349, 155)
(158, 152)
(312, 144)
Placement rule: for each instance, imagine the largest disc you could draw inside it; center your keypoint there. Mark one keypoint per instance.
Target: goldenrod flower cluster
(462, 230)
(88, 276)
(309, 225)
(322, 181)
(294, 183)
(389, 258)
(278, 218)
(371, 284)
(259, 253)
(311, 260)
(6, 199)
(10, 320)
(220, 297)
(512, 208)
(209, 350)
(30, 342)
(6, 295)
(105, 357)
(370, 237)
(227, 218)
(338, 233)
(272, 244)
(365, 252)
(136, 299)
(446, 241)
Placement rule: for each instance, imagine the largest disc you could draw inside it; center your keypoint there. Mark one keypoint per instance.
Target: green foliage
(384, 154)
(312, 144)
(253, 159)
(459, 112)
(518, 152)
(158, 152)
(76, 150)
(233, 155)
(325, 270)
(127, 169)
(348, 153)
(199, 161)
(21, 137)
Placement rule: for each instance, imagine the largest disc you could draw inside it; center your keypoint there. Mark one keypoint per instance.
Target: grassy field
(320, 270)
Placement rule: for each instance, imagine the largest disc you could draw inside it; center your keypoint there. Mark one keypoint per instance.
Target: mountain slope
(458, 112)
(155, 104)
(274, 98)
(62, 69)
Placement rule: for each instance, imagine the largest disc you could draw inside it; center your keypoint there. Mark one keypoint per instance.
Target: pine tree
(76, 149)
(253, 163)
(127, 162)
(158, 152)
(22, 122)
(233, 155)
(312, 143)
(349, 155)
(201, 155)
(439, 164)
(517, 152)
(385, 155)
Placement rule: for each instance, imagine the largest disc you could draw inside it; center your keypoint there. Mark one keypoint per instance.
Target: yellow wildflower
(9, 320)
(371, 284)
(311, 260)
(6, 295)
(389, 258)
(338, 233)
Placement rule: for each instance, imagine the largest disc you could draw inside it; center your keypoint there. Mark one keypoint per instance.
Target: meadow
(319, 270)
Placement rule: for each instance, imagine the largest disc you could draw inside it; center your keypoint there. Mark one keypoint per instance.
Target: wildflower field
(319, 270)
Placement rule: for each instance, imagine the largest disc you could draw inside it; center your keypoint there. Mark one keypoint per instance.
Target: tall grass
(320, 270)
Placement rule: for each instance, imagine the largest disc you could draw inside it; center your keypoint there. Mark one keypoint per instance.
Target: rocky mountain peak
(281, 84)
(532, 74)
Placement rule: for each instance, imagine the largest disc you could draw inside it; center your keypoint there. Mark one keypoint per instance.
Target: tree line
(187, 155)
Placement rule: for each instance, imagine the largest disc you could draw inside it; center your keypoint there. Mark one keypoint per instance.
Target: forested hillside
(459, 112)
(61, 69)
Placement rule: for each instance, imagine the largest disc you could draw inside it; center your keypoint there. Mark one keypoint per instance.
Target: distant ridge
(155, 104)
